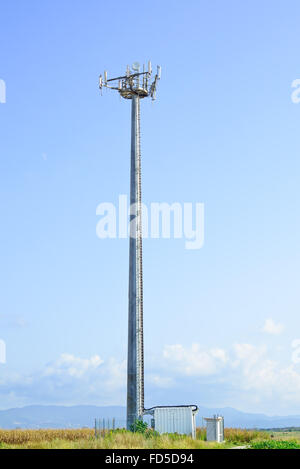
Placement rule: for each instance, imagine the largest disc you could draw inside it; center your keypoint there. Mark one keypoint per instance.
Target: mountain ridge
(52, 416)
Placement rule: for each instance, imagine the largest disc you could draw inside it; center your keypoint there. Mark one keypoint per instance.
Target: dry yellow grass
(237, 435)
(84, 439)
(26, 436)
(119, 439)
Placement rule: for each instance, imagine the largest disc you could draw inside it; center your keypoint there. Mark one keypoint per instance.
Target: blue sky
(223, 132)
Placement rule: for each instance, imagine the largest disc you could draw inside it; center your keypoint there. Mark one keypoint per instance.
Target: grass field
(276, 444)
(121, 439)
(285, 435)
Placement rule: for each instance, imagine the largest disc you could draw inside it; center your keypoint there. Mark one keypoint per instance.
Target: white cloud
(260, 376)
(194, 361)
(244, 375)
(270, 327)
(245, 369)
(247, 354)
(69, 380)
(73, 366)
(117, 374)
(253, 368)
(160, 381)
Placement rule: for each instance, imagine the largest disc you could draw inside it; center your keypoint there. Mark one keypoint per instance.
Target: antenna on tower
(134, 82)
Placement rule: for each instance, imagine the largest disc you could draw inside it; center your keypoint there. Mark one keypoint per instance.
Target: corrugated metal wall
(175, 420)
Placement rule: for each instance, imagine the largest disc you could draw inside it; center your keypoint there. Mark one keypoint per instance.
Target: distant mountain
(237, 419)
(34, 417)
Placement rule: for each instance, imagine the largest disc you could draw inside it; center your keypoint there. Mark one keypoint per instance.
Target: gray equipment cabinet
(215, 429)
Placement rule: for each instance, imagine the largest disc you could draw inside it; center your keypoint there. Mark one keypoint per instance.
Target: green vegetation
(276, 444)
(140, 426)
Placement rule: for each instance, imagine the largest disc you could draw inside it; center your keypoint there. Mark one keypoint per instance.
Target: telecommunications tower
(135, 85)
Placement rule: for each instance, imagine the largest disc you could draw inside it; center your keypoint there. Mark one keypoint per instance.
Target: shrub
(139, 427)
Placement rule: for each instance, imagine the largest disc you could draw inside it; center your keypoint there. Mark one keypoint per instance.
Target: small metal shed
(177, 419)
(215, 429)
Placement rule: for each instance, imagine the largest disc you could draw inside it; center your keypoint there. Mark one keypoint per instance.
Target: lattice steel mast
(135, 85)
